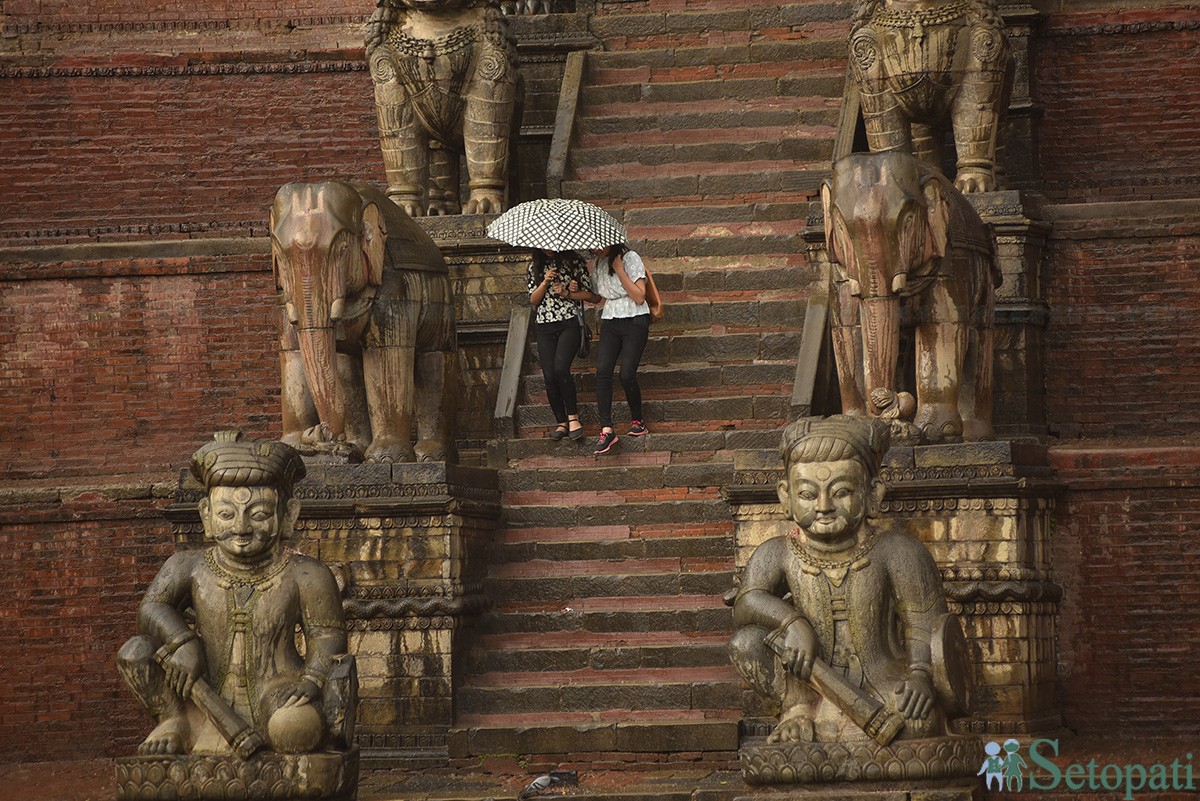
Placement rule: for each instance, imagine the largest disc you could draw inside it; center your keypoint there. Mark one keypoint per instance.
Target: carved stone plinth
(945, 790)
(811, 763)
(323, 776)
(488, 279)
(407, 542)
(984, 511)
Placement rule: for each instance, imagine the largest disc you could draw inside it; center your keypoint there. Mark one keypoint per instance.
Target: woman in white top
(619, 281)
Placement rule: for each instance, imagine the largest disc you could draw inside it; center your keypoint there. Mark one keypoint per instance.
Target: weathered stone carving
(842, 624)
(235, 683)
(900, 235)
(446, 82)
(367, 327)
(923, 63)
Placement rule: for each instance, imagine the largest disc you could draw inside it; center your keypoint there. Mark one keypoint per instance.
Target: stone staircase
(605, 645)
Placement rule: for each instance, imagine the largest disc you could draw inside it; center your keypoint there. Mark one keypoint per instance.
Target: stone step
(709, 120)
(614, 66)
(666, 381)
(549, 693)
(598, 477)
(656, 157)
(616, 731)
(690, 414)
(620, 650)
(656, 448)
(759, 85)
(699, 184)
(631, 580)
(693, 541)
(702, 613)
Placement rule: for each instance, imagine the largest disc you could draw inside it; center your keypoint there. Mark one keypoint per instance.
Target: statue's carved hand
(915, 696)
(183, 667)
(305, 693)
(799, 648)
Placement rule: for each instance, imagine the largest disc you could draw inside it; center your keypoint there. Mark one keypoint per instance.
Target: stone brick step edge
(701, 550)
(657, 448)
(687, 414)
(549, 738)
(666, 654)
(714, 617)
(667, 511)
(694, 377)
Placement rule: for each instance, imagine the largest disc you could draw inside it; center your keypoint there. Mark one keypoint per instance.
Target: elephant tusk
(293, 318)
(899, 281)
(337, 310)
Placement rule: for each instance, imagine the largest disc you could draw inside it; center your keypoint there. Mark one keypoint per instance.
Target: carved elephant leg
(401, 139)
(977, 379)
(880, 323)
(388, 372)
(436, 396)
(977, 108)
(350, 376)
(847, 348)
(487, 121)
(299, 413)
(941, 350)
(443, 180)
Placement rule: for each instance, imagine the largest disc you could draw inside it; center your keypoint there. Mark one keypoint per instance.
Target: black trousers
(558, 344)
(622, 338)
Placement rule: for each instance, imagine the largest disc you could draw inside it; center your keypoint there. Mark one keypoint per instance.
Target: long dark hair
(619, 249)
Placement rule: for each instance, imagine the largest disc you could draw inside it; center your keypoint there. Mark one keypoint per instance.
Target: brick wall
(158, 154)
(72, 574)
(130, 369)
(1125, 327)
(1120, 93)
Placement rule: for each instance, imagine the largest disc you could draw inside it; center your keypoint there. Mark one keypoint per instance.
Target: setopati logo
(1007, 770)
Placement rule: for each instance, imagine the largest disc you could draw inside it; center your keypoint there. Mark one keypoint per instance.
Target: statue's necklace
(250, 580)
(918, 20)
(821, 564)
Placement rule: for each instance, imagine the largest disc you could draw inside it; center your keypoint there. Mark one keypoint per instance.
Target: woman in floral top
(558, 331)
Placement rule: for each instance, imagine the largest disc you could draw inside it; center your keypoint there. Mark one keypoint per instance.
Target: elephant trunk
(880, 319)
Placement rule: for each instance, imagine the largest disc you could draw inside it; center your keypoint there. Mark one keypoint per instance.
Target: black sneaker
(637, 428)
(605, 443)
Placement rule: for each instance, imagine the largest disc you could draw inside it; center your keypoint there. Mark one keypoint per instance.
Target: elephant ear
(374, 243)
(937, 213)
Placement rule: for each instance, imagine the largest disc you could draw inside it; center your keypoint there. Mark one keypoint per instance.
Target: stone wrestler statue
(236, 682)
(841, 624)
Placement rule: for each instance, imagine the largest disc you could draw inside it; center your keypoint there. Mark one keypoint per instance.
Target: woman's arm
(539, 292)
(636, 290)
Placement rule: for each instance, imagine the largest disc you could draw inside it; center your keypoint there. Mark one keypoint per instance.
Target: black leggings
(623, 337)
(558, 344)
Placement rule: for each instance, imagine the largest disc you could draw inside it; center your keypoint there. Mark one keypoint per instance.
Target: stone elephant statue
(904, 240)
(446, 82)
(923, 64)
(367, 342)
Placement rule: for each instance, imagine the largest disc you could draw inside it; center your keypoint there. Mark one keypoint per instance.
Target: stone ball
(295, 729)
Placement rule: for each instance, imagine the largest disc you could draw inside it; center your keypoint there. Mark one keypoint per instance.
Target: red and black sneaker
(605, 443)
(637, 428)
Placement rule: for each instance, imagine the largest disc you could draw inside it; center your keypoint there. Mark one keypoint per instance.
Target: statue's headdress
(831, 439)
(231, 461)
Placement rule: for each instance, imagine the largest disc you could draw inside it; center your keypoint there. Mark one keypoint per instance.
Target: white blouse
(617, 302)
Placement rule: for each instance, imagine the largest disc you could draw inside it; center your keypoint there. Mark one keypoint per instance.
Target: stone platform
(916, 761)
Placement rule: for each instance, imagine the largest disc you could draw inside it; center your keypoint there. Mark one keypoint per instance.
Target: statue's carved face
(246, 522)
(827, 500)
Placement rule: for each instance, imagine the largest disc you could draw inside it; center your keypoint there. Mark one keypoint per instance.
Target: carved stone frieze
(265, 777)
(807, 763)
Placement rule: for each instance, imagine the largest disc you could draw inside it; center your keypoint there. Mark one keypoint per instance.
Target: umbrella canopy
(557, 224)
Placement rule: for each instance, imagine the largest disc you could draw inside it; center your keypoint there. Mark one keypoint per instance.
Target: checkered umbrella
(557, 224)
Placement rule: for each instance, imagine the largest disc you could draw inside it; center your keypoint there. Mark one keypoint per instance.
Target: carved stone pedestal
(1022, 313)
(488, 279)
(326, 776)
(811, 763)
(407, 543)
(984, 511)
(946, 790)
